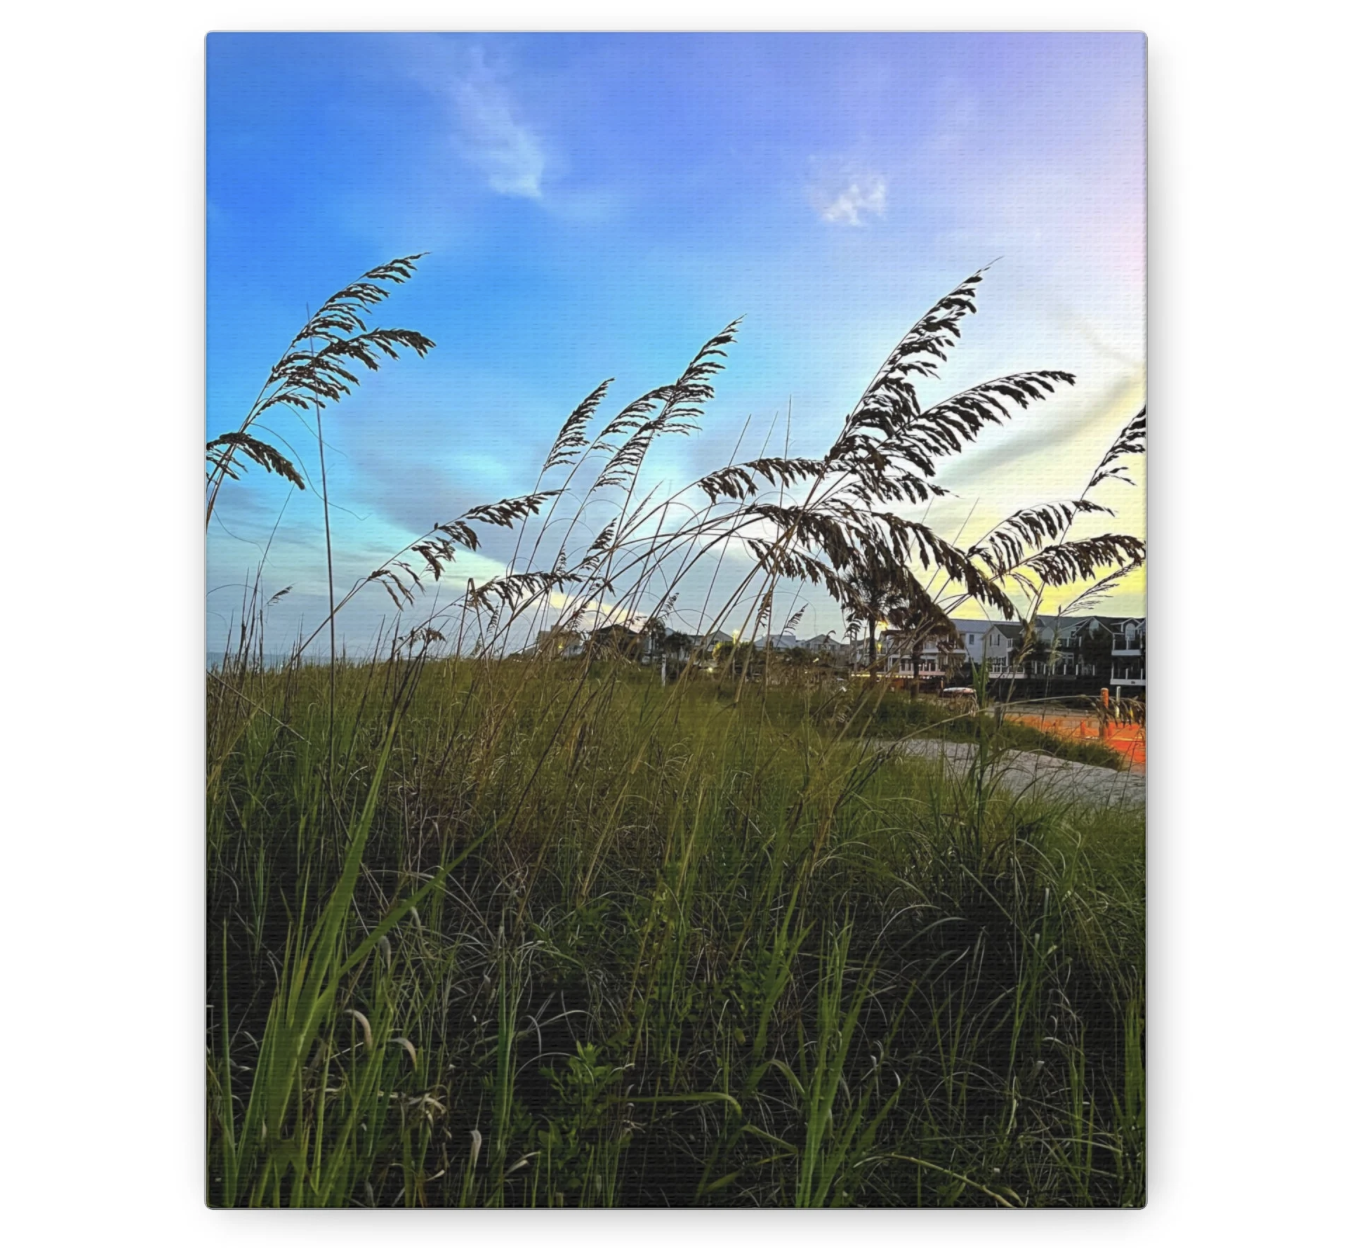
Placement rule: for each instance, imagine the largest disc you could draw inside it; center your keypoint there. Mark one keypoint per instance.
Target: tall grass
(492, 929)
(644, 944)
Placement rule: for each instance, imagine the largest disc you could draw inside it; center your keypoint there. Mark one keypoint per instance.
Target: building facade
(1075, 654)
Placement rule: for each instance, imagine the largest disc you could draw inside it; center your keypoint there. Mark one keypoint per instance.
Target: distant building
(1109, 650)
(559, 643)
(1076, 653)
(1128, 655)
(619, 641)
(937, 656)
(824, 644)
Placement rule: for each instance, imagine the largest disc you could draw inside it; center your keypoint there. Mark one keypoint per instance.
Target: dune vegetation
(490, 927)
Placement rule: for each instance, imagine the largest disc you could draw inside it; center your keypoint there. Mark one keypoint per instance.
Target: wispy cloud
(847, 197)
(491, 134)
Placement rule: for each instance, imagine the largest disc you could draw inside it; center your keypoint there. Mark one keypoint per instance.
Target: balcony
(1063, 668)
(904, 667)
(1126, 645)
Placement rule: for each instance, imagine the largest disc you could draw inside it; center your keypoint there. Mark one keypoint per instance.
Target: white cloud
(860, 194)
(491, 134)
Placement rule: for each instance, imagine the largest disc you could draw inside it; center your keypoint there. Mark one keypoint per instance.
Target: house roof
(979, 628)
(1048, 625)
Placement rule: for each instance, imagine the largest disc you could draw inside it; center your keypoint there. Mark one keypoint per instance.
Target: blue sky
(598, 206)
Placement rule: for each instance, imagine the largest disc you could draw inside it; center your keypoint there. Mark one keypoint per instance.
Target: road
(1026, 773)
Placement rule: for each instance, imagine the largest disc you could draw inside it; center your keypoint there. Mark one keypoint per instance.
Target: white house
(1104, 650)
(1128, 654)
(1067, 640)
(1071, 652)
(937, 655)
(996, 641)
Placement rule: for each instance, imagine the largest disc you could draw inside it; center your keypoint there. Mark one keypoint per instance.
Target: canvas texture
(676, 620)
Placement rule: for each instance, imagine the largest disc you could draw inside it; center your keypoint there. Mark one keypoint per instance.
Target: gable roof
(1047, 625)
(971, 626)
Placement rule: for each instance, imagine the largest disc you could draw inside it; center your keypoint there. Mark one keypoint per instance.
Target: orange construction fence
(1130, 740)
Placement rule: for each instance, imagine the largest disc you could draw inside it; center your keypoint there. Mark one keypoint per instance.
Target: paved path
(1029, 774)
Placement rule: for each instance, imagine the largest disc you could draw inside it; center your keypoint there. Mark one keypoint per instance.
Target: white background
(101, 1087)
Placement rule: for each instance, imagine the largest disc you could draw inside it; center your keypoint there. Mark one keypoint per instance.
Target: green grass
(541, 936)
(898, 715)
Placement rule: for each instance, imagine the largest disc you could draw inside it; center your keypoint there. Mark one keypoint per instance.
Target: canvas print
(676, 620)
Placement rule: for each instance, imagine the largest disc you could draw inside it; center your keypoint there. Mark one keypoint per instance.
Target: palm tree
(873, 595)
(655, 634)
(921, 619)
(895, 597)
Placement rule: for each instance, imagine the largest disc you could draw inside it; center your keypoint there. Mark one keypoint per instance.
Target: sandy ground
(1029, 774)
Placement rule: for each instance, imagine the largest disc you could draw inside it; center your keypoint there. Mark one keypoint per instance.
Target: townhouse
(1069, 653)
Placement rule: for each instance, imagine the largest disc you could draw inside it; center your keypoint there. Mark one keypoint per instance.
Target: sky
(599, 206)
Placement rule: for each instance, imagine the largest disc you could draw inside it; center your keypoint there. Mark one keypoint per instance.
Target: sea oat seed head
(364, 1027)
